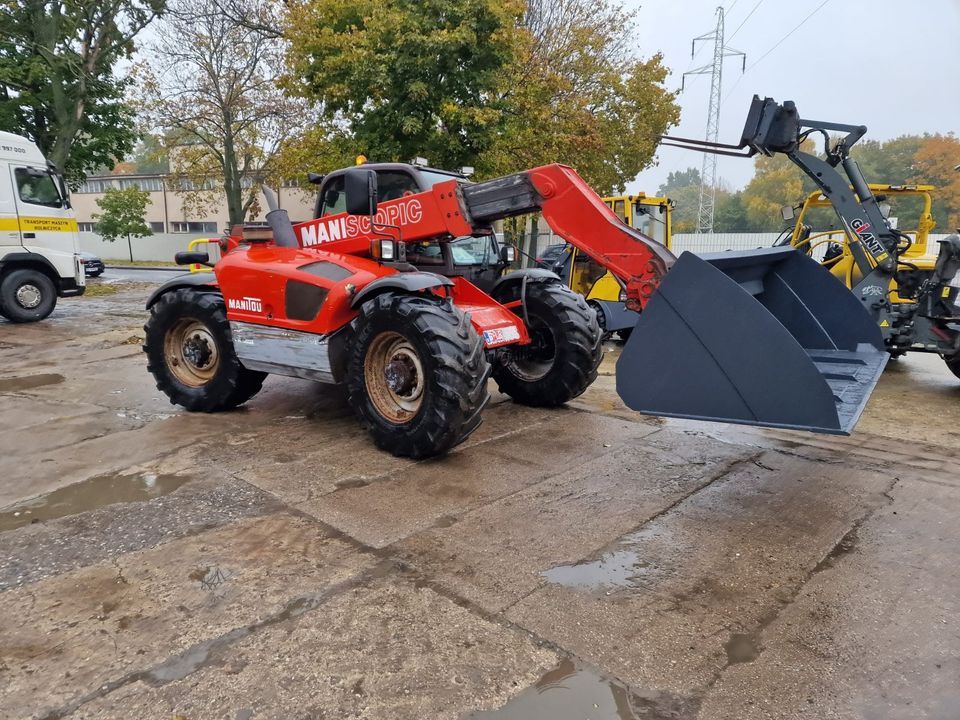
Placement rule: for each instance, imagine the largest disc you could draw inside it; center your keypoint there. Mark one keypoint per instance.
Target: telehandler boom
(356, 297)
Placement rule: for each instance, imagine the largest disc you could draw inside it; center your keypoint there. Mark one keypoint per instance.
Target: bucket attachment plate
(761, 337)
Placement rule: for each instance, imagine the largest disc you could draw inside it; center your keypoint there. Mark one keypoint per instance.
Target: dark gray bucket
(761, 337)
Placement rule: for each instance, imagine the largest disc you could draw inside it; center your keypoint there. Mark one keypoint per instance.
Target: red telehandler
(377, 293)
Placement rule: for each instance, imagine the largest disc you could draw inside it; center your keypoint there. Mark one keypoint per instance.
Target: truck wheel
(27, 296)
(417, 374)
(190, 353)
(562, 359)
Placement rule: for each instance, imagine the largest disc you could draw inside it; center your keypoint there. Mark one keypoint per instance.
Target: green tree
(683, 187)
(730, 214)
(57, 83)
(404, 77)
(890, 161)
(122, 216)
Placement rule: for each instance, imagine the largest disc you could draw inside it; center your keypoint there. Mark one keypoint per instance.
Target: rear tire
(190, 353)
(417, 374)
(561, 361)
(27, 296)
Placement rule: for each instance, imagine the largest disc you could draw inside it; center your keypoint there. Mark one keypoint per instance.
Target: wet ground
(576, 563)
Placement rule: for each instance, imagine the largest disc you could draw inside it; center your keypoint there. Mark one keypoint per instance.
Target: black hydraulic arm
(772, 127)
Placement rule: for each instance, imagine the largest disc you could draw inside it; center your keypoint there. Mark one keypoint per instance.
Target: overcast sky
(887, 64)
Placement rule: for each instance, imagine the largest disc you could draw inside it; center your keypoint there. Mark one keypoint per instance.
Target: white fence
(161, 246)
(716, 242)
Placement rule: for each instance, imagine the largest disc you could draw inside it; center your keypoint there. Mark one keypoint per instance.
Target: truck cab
(39, 237)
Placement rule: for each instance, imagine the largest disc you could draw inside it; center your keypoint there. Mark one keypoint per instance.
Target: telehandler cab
(373, 293)
(914, 301)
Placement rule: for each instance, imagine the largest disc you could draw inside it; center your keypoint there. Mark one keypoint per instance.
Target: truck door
(9, 225)
(47, 225)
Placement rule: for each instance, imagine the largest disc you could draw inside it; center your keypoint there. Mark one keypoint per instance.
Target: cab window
(334, 200)
(37, 187)
(393, 184)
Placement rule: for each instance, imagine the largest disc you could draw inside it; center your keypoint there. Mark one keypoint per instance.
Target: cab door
(47, 223)
(9, 224)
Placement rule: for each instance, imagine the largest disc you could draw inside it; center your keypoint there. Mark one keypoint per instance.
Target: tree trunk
(130, 247)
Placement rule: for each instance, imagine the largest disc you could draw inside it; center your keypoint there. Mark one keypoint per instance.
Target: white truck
(39, 237)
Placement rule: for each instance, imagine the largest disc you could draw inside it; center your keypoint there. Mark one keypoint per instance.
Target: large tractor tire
(417, 374)
(27, 296)
(190, 353)
(565, 350)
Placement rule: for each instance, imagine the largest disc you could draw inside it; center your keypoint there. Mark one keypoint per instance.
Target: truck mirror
(787, 212)
(360, 188)
(508, 254)
(885, 209)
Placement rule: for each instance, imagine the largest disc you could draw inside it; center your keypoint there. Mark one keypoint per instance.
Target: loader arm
(777, 128)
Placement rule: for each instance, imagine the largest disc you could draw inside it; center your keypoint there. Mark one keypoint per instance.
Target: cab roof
(17, 147)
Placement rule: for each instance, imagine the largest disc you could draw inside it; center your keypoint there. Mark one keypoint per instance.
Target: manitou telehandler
(914, 302)
(379, 293)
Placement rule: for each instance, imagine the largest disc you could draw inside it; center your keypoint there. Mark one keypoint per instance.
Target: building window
(193, 227)
(88, 227)
(153, 184)
(95, 186)
(156, 227)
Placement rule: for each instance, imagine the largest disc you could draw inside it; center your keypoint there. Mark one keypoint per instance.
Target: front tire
(417, 374)
(190, 353)
(565, 350)
(27, 296)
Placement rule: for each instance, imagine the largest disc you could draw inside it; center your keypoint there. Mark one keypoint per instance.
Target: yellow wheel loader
(604, 293)
(816, 234)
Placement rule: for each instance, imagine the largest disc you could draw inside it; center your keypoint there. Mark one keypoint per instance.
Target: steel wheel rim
(532, 362)
(393, 374)
(28, 296)
(191, 352)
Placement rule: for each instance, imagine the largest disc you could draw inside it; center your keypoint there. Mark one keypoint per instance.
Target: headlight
(623, 295)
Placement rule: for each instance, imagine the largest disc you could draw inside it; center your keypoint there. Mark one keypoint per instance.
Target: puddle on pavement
(28, 382)
(89, 495)
(622, 567)
(572, 692)
(742, 648)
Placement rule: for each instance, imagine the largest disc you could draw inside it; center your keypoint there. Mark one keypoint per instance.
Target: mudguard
(764, 337)
(406, 281)
(202, 279)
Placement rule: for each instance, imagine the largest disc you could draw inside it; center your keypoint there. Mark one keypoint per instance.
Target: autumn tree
(57, 79)
(122, 215)
(935, 162)
(579, 92)
(211, 88)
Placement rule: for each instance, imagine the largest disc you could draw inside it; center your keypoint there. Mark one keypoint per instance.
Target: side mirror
(508, 253)
(885, 210)
(787, 212)
(360, 188)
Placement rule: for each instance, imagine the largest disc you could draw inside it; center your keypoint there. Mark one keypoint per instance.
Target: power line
(759, 3)
(781, 41)
(778, 44)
